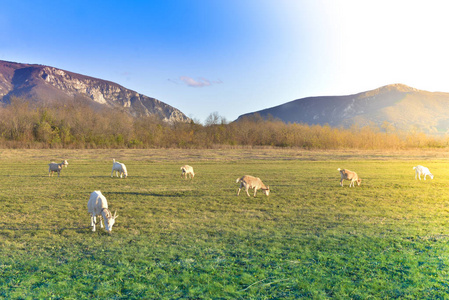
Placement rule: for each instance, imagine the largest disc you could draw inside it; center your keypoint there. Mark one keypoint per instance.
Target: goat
(119, 168)
(250, 182)
(420, 170)
(98, 206)
(55, 167)
(349, 175)
(187, 170)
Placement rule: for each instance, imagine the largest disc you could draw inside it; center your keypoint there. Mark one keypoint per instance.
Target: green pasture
(182, 239)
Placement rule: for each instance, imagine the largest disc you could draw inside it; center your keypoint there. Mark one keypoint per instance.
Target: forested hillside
(405, 107)
(77, 125)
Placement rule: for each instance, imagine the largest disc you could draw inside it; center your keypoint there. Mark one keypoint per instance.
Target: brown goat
(349, 175)
(250, 182)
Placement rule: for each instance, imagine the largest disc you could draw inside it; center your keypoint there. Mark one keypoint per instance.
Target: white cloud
(200, 82)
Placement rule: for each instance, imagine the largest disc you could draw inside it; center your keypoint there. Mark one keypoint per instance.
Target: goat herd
(98, 205)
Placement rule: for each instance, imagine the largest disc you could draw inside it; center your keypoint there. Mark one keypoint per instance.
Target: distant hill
(47, 84)
(396, 105)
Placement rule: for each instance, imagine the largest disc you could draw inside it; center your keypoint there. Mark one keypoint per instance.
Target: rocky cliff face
(44, 83)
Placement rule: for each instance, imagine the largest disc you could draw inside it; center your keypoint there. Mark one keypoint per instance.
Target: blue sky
(234, 56)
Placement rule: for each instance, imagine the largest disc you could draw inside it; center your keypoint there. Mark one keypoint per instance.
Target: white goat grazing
(187, 170)
(349, 175)
(55, 167)
(420, 170)
(119, 168)
(98, 206)
(250, 182)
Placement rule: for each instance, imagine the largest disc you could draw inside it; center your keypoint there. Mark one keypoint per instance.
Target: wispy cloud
(200, 82)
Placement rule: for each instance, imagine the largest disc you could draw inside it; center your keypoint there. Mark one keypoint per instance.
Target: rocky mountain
(393, 106)
(46, 84)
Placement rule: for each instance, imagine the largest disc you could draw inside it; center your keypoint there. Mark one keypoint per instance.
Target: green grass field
(178, 238)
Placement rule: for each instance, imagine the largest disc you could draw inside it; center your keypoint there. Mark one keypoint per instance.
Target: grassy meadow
(182, 239)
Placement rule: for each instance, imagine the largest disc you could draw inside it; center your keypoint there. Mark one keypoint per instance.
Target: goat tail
(338, 169)
(414, 168)
(238, 180)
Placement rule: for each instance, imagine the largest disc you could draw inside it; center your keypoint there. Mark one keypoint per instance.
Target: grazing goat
(349, 175)
(98, 206)
(55, 167)
(420, 170)
(187, 170)
(250, 182)
(119, 168)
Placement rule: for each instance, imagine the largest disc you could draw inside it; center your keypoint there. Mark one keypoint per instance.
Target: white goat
(250, 182)
(420, 170)
(55, 167)
(119, 168)
(98, 206)
(187, 170)
(349, 175)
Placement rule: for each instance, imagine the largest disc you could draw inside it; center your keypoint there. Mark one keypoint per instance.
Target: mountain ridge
(397, 105)
(43, 83)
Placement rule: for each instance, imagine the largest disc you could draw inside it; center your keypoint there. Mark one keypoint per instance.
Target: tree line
(76, 124)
